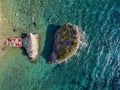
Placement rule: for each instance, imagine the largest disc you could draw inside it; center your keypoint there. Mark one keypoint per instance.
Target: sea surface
(96, 65)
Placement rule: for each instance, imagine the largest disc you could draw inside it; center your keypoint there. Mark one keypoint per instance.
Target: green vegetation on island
(66, 43)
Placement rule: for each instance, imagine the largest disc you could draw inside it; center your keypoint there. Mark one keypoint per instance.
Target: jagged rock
(31, 44)
(66, 43)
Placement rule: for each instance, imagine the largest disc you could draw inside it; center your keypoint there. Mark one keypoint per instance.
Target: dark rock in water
(14, 30)
(66, 43)
(3, 48)
(34, 23)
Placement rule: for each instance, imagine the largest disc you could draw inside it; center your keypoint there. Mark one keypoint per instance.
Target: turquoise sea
(96, 65)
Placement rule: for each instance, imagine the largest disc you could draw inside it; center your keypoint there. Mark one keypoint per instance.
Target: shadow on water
(24, 52)
(51, 29)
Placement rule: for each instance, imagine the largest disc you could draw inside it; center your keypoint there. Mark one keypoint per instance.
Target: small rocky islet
(66, 43)
(31, 44)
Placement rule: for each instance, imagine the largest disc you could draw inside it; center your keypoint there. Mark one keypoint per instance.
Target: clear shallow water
(96, 66)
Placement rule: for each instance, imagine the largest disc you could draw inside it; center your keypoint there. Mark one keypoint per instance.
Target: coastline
(6, 56)
(1, 33)
(6, 22)
(3, 63)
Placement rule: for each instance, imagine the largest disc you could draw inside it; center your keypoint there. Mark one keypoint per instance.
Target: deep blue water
(96, 65)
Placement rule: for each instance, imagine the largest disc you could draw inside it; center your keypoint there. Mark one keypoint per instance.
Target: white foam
(84, 40)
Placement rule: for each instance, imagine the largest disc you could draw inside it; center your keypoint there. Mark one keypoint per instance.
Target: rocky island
(66, 43)
(31, 44)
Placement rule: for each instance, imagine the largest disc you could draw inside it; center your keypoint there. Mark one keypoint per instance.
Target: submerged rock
(66, 43)
(31, 44)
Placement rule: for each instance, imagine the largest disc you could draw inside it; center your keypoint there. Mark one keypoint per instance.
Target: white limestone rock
(31, 44)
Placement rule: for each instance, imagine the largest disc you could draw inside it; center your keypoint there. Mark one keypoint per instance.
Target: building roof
(14, 42)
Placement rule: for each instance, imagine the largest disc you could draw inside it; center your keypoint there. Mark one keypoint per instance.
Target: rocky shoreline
(66, 43)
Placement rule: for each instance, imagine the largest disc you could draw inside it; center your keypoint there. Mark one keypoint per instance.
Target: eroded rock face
(31, 44)
(66, 43)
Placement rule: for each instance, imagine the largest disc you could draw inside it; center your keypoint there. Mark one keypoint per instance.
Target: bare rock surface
(31, 44)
